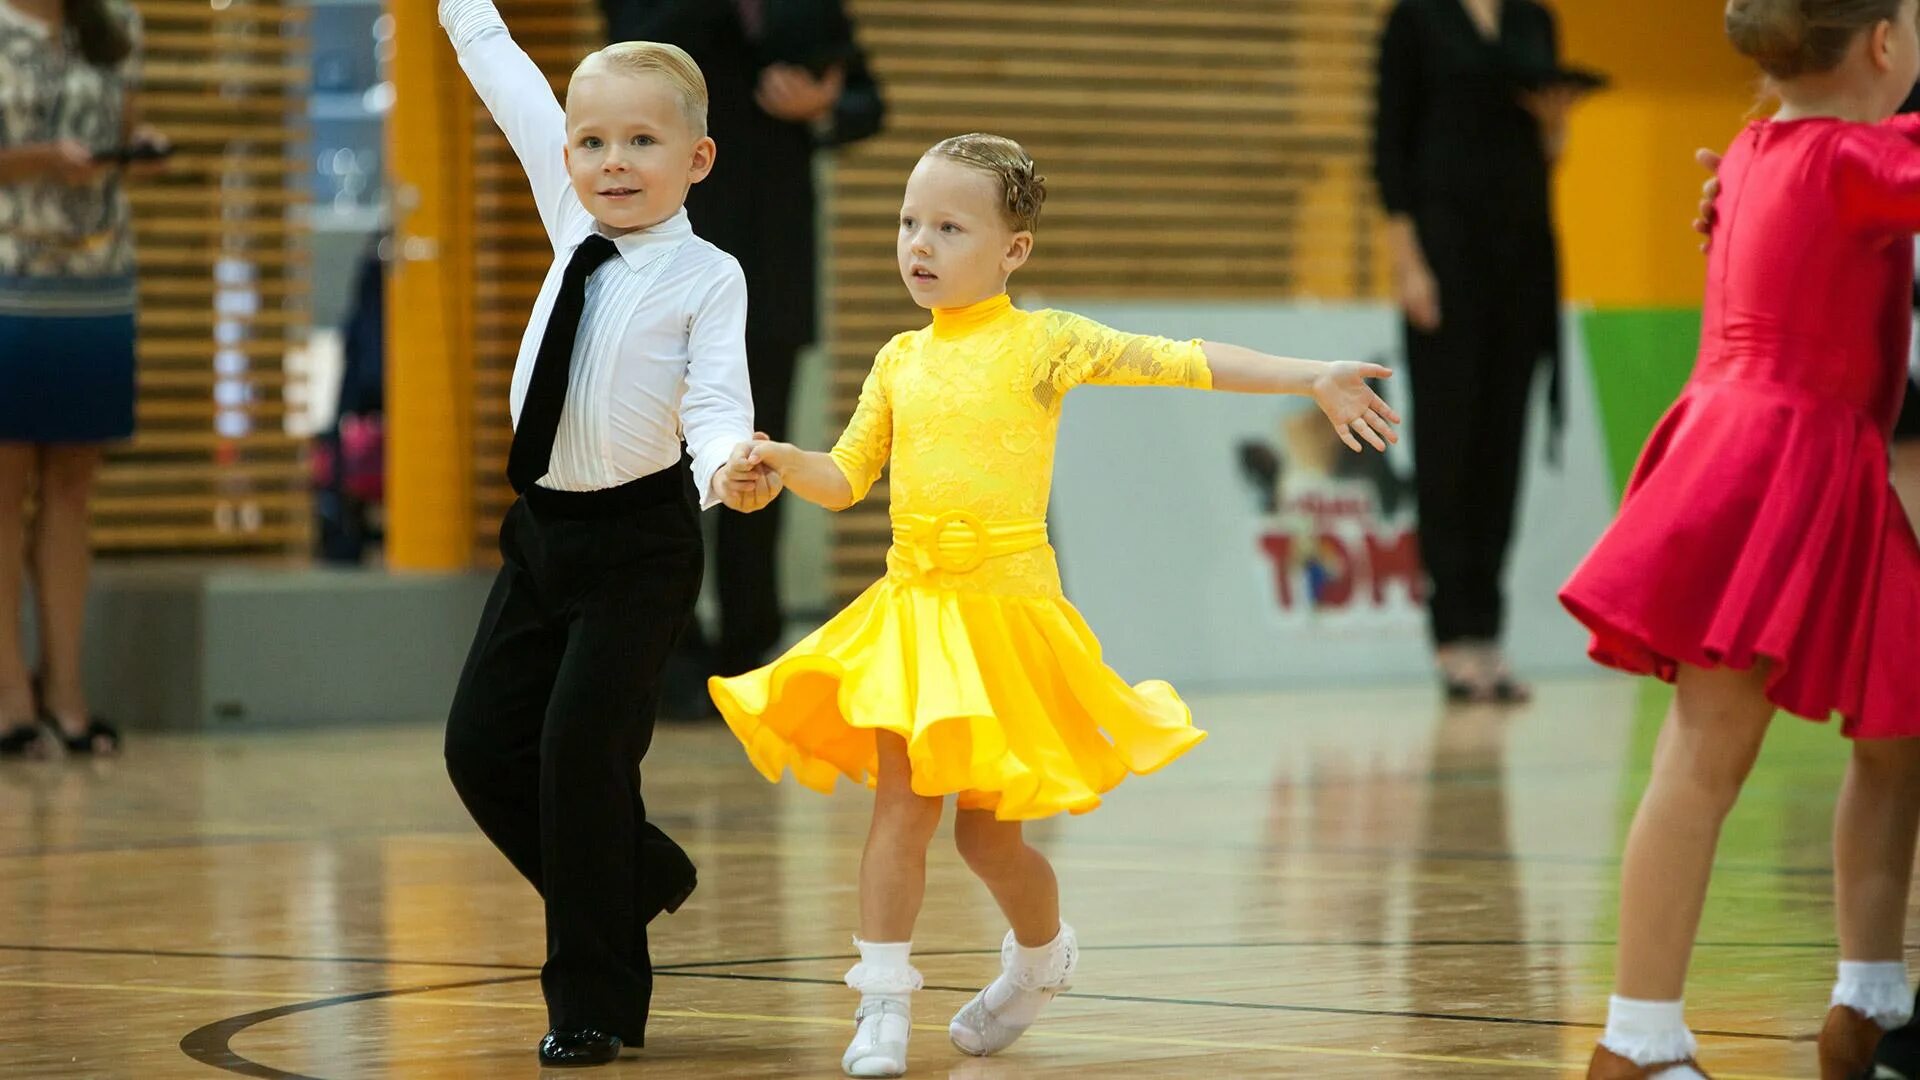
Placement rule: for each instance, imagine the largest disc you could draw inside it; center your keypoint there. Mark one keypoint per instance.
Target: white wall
(1160, 534)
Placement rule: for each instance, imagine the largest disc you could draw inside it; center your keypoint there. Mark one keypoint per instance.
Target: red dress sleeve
(1906, 124)
(1877, 174)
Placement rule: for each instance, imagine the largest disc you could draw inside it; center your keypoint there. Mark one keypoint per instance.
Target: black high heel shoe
(100, 737)
(88, 741)
(21, 741)
(1506, 687)
(26, 740)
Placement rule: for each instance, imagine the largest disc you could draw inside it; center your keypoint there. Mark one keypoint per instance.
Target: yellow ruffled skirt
(1002, 700)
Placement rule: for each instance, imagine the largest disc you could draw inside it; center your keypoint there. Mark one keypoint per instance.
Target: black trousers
(554, 711)
(1472, 381)
(747, 546)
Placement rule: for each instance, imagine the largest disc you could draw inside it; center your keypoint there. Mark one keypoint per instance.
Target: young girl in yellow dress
(965, 671)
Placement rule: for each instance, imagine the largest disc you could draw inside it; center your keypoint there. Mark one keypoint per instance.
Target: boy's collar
(640, 246)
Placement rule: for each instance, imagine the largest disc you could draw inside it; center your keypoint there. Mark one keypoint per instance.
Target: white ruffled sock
(1651, 1032)
(1877, 990)
(886, 980)
(1029, 979)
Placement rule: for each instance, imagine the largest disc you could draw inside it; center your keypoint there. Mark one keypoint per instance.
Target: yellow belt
(958, 542)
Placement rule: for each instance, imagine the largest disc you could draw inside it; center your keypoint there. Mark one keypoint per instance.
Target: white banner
(1224, 539)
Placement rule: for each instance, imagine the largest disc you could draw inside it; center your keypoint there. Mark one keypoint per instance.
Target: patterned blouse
(49, 92)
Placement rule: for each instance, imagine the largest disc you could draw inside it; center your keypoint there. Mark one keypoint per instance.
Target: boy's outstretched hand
(1356, 411)
(745, 485)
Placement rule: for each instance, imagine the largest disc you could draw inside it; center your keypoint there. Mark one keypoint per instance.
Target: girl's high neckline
(952, 322)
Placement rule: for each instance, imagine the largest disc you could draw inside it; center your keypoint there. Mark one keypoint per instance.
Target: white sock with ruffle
(1875, 990)
(1029, 978)
(886, 980)
(1651, 1033)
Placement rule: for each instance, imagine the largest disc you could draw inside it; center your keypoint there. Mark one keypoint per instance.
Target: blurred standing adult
(67, 75)
(785, 78)
(1462, 155)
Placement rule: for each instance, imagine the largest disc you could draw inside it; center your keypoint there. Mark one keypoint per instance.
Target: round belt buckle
(958, 562)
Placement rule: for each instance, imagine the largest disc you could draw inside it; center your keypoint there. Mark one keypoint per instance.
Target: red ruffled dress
(1761, 522)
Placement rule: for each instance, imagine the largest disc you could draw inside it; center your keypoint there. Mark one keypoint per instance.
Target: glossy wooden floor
(1334, 885)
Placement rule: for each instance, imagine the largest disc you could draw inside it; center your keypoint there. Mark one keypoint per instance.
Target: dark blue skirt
(66, 360)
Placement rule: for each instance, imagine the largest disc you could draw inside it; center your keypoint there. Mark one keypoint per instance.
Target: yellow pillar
(1629, 184)
(430, 497)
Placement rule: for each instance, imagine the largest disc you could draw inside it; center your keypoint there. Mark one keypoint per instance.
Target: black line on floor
(213, 1044)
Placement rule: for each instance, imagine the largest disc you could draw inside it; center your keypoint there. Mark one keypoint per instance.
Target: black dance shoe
(578, 1049)
(669, 878)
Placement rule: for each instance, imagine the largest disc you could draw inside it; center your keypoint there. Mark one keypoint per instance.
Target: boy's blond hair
(670, 62)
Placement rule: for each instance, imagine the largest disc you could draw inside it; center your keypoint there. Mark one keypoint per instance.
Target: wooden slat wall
(511, 251)
(1198, 150)
(227, 81)
(1192, 150)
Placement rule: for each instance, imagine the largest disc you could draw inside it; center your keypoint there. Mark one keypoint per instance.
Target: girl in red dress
(1761, 560)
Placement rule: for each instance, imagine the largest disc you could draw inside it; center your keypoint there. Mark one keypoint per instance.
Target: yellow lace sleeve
(867, 442)
(1078, 351)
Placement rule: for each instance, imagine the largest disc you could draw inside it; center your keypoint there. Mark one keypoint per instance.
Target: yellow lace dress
(967, 648)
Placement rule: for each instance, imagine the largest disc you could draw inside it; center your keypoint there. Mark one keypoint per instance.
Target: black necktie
(552, 367)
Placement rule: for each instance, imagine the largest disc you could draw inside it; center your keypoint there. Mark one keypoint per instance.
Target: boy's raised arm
(519, 97)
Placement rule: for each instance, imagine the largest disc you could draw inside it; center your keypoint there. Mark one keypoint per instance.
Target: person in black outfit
(1462, 153)
(785, 77)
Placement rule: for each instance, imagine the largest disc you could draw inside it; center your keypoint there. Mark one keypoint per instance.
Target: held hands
(1342, 393)
(790, 92)
(744, 484)
(775, 457)
(1709, 195)
(68, 161)
(1550, 106)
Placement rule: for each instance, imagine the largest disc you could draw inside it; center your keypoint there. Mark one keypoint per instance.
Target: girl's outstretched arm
(1338, 387)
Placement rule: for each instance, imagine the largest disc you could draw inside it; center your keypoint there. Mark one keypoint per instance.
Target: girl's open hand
(1357, 413)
